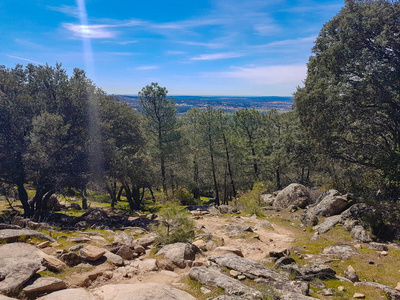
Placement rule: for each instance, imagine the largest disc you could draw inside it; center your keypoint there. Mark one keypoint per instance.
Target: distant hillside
(227, 103)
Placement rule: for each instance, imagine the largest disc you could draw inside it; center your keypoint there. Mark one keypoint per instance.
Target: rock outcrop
(294, 195)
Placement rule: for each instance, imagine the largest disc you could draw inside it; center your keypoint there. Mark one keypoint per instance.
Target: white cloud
(127, 42)
(90, 31)
(267, 75)
(266, 30)
(216, 56)
(175, 52)
(25, 59)
(145, 68)
(207, 45)
(68, 10)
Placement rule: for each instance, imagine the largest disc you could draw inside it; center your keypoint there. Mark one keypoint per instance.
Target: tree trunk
(253, 153)
(129, 197)
(112, 191)
(23, 197)
(278, 180)
(195, 190)
(229, 167)
(84, 199)
(213, 169)
(162, 161)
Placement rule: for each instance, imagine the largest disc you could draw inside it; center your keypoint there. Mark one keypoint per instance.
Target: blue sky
(192, 47)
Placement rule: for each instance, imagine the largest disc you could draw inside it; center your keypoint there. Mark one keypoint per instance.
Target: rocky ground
(300, 249)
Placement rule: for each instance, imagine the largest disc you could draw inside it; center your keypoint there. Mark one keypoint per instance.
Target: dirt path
(269, 239)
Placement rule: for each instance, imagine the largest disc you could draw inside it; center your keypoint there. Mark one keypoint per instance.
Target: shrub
(175, 225)
(250, 201)
(184, 197)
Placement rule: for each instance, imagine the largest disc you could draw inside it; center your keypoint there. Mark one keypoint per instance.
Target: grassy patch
(193, 287)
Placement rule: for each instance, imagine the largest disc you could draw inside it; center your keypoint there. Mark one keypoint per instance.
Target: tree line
(62, 132)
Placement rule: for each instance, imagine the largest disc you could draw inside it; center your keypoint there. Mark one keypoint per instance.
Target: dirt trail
(269, 239)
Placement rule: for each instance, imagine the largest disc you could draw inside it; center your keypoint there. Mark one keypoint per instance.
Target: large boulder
(360, 234)
(179, 253)
(14, 235)
(68, 294)
(310, 272)
(44, 285)
(231, 286)
(331, 204)
(294, 195)
(92, 253)
(341, 251)
(141, 291)
(327, 194)
(18, 263)
(267, 199)
(246, 266)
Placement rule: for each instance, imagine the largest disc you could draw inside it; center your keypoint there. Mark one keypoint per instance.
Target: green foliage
(350, 103)
(185, 197)
(175, 224)
(383, 221)
(251, 200)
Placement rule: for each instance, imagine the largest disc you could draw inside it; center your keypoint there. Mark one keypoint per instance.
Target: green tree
(125, 163)
(161, 114)
(350, 102)
(250, 124)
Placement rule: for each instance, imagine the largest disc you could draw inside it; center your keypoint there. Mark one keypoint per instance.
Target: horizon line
(136, 95)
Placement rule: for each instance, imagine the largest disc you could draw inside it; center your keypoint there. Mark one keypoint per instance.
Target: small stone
(55, 244)
(384, 253)
(241, 277)
(78, 239)
(139, 249)
(234, 273)
(358, 246)
(125, 252)
(358, 296)
(397, 288)
(205, 291)
(371, 262)
(328, 292)
(92, 253)
(53, 264)
(341, 288)
(108, 274)
(44, 244)
(350, 274)
(77, 247)
(278, 254)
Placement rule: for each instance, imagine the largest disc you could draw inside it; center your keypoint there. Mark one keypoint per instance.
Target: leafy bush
(185, 197)
(383, 221)
(175, 225)
(250, 201)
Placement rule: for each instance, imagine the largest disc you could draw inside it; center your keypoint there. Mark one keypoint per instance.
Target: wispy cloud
(25, 59)
(285, 45)
(127, 42)
(266, 29)
(313, 8)
(268, 75)
(216, 56)
(68, 10)
(144, 68)
(90, 31)
(27, 43)
(175, 52)
(207, 45)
